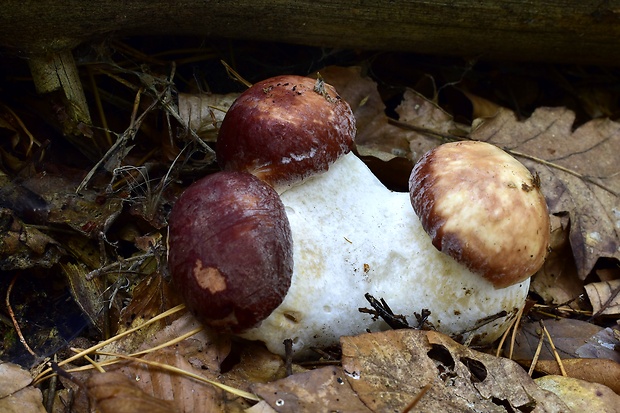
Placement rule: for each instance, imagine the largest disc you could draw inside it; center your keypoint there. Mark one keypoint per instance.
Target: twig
(610, 300)
(117, 265)
(383, 310)
(541, 340)
(417, 398)
(22, 339)
(450, 137)
(514, 325)
(234, 75)
(97, 346)
(561, 168)
(238, 392)
(288, 360)
(555, 352)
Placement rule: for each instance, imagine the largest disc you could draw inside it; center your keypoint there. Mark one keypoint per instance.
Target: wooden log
(548, 30)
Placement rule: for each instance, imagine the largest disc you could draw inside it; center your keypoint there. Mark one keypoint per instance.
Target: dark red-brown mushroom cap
(230, 250)
(285, 129)
(483, 208)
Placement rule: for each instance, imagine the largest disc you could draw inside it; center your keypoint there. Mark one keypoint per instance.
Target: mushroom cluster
(285, 242)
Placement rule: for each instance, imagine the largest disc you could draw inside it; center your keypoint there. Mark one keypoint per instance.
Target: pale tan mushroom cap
(483, 208)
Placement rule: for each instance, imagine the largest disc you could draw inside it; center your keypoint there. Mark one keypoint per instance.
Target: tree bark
(548, 30)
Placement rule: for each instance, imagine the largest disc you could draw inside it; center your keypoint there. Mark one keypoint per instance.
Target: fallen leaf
(602, 371)
(482, 108)
(13, 378)
(23, 246)
(320, 390)
(567, 334)
(15, 396)
(260, 407)
(578, 172)
(604, 297)
(114, 392)
(428, 122)
(388, 370)
(557, 282)
(581, 396)
(603, 345)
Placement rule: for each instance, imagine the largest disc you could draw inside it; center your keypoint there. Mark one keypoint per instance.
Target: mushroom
(352, 236)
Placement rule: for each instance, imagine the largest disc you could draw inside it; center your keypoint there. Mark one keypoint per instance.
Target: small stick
(503, 339)
(537, 354)
(288, 360)
(417, 398)
(22, 339)
(555, 352)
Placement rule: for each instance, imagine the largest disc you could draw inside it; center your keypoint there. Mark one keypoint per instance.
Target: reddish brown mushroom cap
(483, 208)
(230, 250)
(285, 129)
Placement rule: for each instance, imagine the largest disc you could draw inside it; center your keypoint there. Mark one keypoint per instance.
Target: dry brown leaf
(256, 365)
(602, 371)
(185, 394)
(375, 136)
(87, 213)
(578, 170)
(23, 246)
(89, 295)
(15, 397)
(200, 354)
(152, 296)
(260, 407)
(581, 396)
(482, 108)
(567, 334)
(604, 294)
(387, 370)
(114, 392)
(12, 378)
(204, 112)
(557, 281)
(602, 345)
(417, 111)
(320, 390)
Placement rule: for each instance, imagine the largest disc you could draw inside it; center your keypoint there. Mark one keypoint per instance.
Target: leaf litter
(578, 171)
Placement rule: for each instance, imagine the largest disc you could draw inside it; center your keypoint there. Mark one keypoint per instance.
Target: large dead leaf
(116, 393)
(23, 246)
(321, 390)
(388, 370)
(15, 396)
(567, 334)
(582, 396)
(578, 171)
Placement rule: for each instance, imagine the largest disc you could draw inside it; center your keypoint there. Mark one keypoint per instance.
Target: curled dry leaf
(578, 173)
(557, 281)
(604, 297)
(387, 370)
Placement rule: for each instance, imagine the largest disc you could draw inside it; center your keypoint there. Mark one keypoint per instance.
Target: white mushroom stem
(353, 236)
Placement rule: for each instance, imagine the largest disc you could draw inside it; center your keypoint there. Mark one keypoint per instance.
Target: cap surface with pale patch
(483, 208)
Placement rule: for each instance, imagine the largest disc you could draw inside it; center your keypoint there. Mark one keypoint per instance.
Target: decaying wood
(549, 30)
